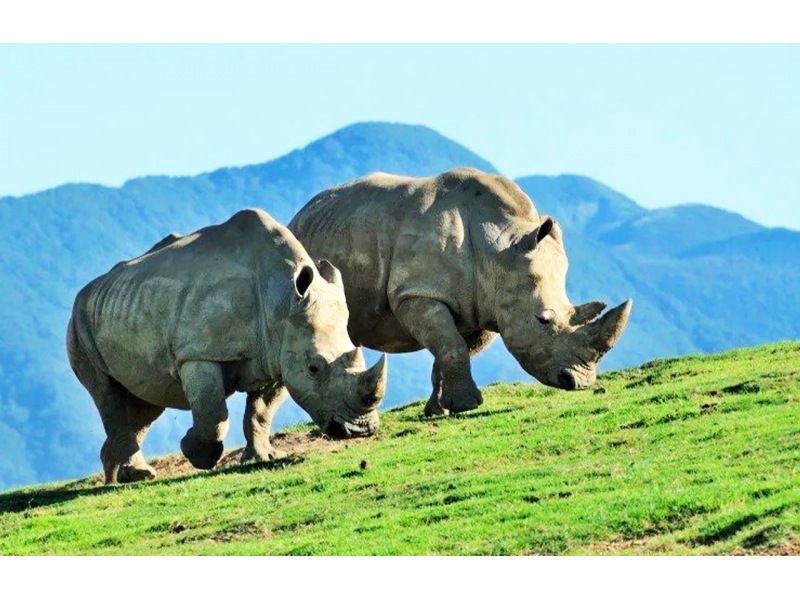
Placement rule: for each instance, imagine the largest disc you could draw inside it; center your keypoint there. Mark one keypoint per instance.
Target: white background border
(408, 577)
(408, 21)
(404, 21)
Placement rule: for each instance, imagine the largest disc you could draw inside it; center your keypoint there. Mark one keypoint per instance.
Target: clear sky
(662, 124)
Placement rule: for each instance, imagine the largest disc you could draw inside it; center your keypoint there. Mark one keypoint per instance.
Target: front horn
(372, 383)
(605, 332)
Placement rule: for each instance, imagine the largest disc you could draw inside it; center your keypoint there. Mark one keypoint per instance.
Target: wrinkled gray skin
(446, 263)
(239, 306)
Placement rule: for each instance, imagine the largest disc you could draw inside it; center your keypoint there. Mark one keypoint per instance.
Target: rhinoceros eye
(316, 365)
(546, 316)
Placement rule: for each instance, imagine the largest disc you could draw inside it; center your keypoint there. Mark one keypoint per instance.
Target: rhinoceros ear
(302, 281)
(557, 233)
(529, 241)
(330, 273)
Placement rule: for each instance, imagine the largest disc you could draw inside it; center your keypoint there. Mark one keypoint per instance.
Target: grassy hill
(698, 455)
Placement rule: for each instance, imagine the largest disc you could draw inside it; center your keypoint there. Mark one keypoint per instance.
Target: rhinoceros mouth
(567, 381)
(575, 378)
(360, 426)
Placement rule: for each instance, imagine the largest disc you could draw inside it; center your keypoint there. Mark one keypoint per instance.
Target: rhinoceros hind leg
(141, 416)
(203, 386)
(261, 408)
(121, 448)
(432, 324)
(135, 473)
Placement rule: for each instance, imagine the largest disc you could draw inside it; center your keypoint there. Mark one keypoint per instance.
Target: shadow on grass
(25, 500)
(480, 414)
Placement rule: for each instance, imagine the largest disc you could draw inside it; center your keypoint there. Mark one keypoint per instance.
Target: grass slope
(699, 455)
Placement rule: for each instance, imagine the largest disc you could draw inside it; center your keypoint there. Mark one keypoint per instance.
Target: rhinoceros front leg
(261, 408)
(432, 324)
(203, 386)
(434, 404)
(476, 343)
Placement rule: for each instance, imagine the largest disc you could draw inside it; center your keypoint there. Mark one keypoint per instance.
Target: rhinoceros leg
(121, 447)
(120, 454)
(204, 389)
(476, 343)
(434, 405)
(432, 324)
(141, 415)
(261, 408)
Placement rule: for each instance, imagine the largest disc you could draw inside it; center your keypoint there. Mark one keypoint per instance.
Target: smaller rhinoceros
(238, 306)
(448, 262)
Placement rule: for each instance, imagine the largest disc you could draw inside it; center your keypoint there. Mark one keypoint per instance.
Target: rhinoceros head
(324, 372)
(558, 343)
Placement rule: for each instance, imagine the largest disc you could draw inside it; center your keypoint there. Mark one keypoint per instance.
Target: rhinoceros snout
(362, 427)
(567, 380)
(336, 429)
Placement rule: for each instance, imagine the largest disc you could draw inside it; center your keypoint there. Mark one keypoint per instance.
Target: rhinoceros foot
(203, 455)
(463, 397)
(139, 473)
(434, 407)
(255, 454)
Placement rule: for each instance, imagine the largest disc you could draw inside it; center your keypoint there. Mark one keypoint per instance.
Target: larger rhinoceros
(446, 263)
(238, 306)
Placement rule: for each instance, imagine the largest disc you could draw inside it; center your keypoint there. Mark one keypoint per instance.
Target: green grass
(699, 455)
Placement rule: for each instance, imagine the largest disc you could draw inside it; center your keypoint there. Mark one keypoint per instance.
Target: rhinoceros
(238, 306)
(448, 262)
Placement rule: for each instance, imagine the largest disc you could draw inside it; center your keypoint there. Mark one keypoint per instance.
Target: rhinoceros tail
(72, 344)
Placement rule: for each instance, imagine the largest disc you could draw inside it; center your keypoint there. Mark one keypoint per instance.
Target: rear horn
(586, 312)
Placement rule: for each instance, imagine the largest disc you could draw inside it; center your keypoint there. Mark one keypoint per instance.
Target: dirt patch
(637, 545)
(240, 531)
(648, 545)
(295, 443)
(298, 443)
(791, 548)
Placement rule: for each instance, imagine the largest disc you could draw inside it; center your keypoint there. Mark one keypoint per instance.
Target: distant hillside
(674, 231)
(583, 206)
(703, 279)
(698, 455)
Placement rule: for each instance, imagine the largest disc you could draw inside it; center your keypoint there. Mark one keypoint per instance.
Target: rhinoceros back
(396, 237)
(205, 296)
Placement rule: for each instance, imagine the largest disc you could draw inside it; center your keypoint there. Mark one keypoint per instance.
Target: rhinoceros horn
(372, 383)
(604, 332)
(586, 312)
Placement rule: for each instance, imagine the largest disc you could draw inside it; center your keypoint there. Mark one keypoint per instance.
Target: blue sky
(663, 124)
